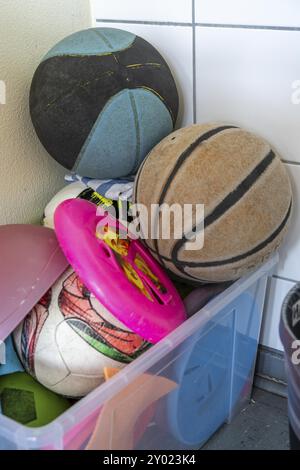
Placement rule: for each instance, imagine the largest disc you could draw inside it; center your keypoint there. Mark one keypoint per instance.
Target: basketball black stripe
(183, 157)
(251, 252)
(230, 200)
(180, 265)
(187, 153)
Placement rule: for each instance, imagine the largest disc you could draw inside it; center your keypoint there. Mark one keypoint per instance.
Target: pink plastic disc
(121, 273)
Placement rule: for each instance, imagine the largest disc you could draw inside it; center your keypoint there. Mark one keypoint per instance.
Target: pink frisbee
(31, 261)
(119, 271)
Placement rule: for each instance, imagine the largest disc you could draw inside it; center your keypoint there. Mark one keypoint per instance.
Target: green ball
(24, 400)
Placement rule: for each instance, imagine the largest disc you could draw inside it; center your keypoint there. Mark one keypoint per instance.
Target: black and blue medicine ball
(100, 100)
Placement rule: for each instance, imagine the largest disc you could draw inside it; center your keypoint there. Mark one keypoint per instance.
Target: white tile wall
(144, 10)
(278, 289)
(289, 265)
(175, 45)
(244, 74)
(249, 12)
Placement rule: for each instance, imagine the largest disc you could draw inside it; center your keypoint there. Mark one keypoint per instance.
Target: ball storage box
(177, 394)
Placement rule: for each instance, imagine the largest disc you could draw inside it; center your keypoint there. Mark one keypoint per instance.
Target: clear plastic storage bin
(177, 394)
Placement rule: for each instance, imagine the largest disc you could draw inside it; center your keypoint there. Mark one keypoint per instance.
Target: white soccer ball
(70, 337)
(71, 191)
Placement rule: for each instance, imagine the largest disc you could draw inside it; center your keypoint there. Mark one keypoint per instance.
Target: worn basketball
(100, 100)
(245, 190)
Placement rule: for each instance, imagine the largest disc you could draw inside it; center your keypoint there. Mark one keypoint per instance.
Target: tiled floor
(262, 425)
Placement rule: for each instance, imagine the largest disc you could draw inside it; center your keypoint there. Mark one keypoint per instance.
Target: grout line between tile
(204, 25)
(282, 278)
(194, 63)
(250, 26)
(152, 23)
(290, 162)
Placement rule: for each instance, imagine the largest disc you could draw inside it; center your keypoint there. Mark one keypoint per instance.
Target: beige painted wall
(29, 177)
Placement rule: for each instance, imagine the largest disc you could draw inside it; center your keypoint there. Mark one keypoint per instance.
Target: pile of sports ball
(104, 104)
